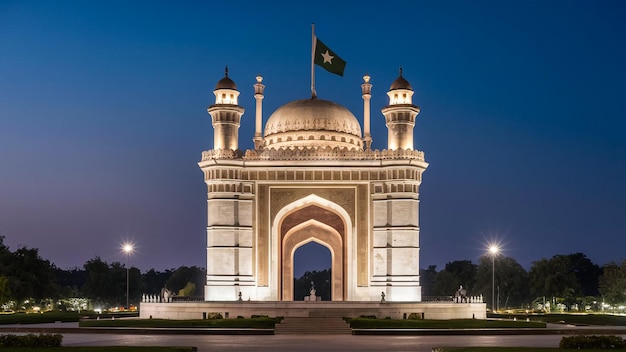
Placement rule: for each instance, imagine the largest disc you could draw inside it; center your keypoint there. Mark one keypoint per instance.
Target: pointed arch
(306, 232)
(286, 239)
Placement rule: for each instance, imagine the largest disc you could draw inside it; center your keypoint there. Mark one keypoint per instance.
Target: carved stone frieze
(305, 153)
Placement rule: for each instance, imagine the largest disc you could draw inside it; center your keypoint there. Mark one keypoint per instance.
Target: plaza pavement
(551, 329)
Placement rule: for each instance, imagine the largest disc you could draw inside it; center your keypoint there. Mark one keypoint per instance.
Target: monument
(313, 176)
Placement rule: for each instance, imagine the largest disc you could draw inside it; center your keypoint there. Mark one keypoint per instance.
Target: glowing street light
(493, 250)
(128, 249)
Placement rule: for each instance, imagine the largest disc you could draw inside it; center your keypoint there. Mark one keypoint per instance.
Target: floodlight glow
(494, 249)
(128, 248)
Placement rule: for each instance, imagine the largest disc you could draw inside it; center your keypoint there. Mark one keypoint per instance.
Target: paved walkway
(551, 329)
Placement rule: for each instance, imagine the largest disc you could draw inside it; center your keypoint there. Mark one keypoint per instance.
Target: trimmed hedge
(258, 323)
(608, 342)
(369, 323)
(31, 340)
(54, 316)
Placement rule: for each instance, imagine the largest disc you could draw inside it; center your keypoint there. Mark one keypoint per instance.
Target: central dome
(312, 123)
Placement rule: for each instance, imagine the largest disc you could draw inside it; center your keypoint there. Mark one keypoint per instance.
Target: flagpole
(313, 93)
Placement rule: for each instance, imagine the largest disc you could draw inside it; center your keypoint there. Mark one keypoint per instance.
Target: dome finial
(226, 71)
(400, 82)
(226, 82)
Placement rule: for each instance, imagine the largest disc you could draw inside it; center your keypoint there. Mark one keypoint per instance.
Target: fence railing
(437, 299)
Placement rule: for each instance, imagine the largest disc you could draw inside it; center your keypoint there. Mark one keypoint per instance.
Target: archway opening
(312, 269)
(298, 224)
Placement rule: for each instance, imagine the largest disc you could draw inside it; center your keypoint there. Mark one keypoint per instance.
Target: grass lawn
(574, 319)
(101, 349)
(366, 323)
(509, 349)
(259, 323)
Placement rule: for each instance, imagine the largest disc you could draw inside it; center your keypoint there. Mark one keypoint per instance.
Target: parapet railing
(453, 299)
(313, 154)
(151, 298)
(178, 299)
(437, 299)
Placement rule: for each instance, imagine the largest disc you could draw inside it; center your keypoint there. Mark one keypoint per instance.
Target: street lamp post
(128, 250)
(493, 249)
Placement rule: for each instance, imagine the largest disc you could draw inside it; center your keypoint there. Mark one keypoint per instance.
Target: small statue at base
(312, 292)
(382, 296)
(166, 295)
(461, 295)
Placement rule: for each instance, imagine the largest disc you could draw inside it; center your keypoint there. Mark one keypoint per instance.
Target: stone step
(313, 326)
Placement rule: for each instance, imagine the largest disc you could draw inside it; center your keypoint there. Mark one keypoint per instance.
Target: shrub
(367, 316)
(31, 340)
(593, 341)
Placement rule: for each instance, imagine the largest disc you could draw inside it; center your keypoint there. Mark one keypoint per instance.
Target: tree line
(571, 282)
(26, 278)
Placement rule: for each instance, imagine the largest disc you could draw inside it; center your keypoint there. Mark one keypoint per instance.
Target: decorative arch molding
(312, 199)
(283, 246)
(306, 232)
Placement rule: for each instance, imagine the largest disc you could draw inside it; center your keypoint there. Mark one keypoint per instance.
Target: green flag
(328, 59)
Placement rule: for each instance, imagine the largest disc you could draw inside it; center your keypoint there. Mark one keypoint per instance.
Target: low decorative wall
(394, 310)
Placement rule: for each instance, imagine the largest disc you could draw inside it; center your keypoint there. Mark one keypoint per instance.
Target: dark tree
(587, 273)
(70, 281)
(5, 260)
(464, 271)
(427, 280)
(321, 280)
(107, 284)
(25, 275)
(31, 276)
(567, 277)
(455, 274)
(183, 275)
(98, 285)
(511, 282)
(613, 283)
(155, 280)
(446, 284)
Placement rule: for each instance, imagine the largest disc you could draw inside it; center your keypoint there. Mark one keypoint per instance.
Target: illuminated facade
(313, 177)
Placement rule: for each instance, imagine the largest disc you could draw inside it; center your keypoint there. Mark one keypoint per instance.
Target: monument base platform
(393, 310)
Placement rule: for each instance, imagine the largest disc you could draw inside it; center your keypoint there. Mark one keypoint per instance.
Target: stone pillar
(366, 89)
(258, 96)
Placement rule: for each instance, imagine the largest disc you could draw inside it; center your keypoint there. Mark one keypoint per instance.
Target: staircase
(310, 326)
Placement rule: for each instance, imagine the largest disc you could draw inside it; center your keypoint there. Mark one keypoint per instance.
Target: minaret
(366, 89)
(400, 114)
(258, 96)
(226, 114)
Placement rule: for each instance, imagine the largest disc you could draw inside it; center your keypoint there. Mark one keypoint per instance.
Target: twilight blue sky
(103, 117)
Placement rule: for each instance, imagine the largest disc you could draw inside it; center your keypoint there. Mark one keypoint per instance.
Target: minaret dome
(400, 115)
(226, 114)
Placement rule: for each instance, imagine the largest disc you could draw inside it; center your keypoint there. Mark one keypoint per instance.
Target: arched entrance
(312, 263)
(312, 230)
(311, 219)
